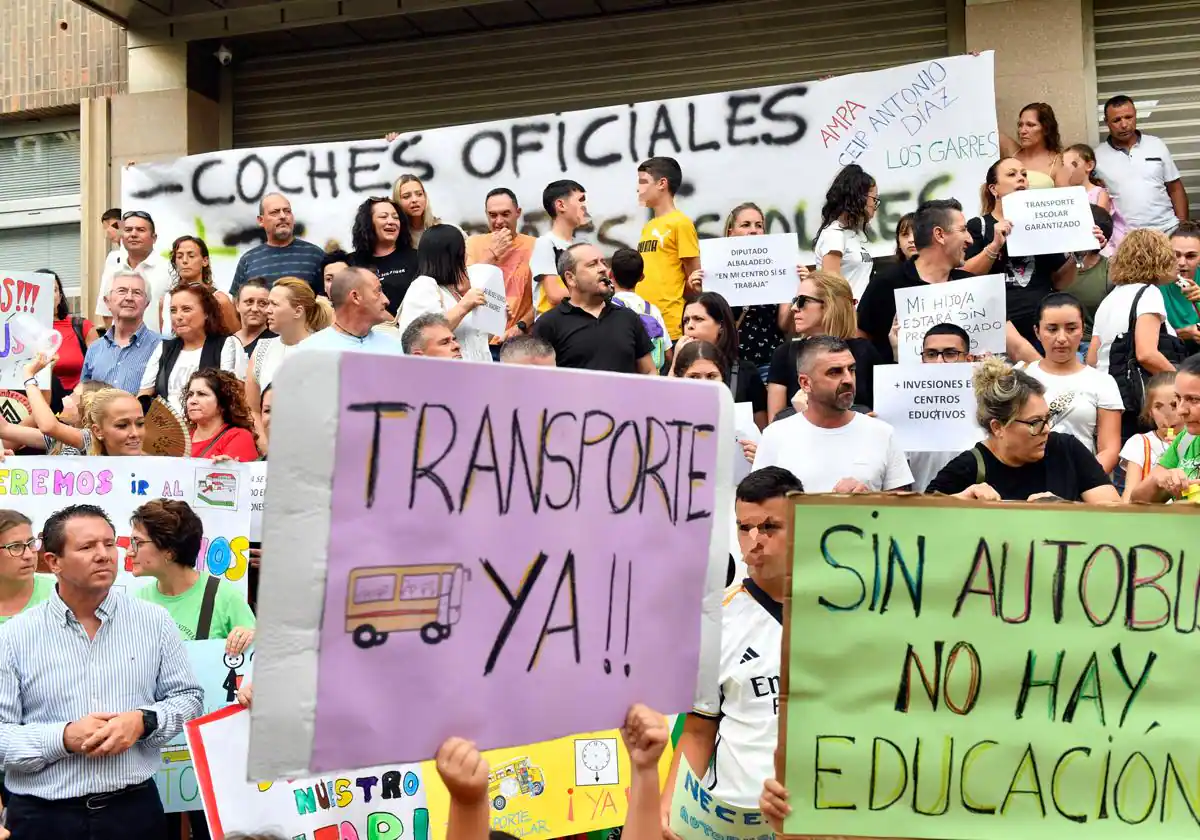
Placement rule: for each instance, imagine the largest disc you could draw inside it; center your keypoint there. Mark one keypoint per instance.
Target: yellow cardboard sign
(552, 789)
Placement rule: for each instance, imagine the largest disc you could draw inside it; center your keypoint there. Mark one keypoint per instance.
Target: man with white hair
(527, 350)
(119, 357)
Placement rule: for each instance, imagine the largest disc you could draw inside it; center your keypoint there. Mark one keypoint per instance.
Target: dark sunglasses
(800, 301)
(137, 214)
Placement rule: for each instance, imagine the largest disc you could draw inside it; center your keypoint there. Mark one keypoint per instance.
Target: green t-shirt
(43, 585)
(1181, 312)
(1090, 286)
(1189, 462)
(230, 609)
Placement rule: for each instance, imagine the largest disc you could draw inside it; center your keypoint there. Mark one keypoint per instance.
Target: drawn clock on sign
(595, 762)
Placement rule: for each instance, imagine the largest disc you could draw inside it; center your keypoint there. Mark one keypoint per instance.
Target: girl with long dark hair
(443, 287)
(841, 245)
(381, 244)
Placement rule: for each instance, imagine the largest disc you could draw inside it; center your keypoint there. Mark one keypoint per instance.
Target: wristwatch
(149, 724)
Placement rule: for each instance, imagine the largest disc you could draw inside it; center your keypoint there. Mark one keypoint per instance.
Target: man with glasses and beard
(828, 446)
(588, 330)
(138, 237)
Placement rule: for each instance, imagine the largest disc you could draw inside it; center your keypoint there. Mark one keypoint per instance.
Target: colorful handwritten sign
(554, 789)
(924, 130)
(697, 815)
(218, 493)
(991, 671)
(378, 803)
(540, 546)
(976, 304)
(220, 675)
(23, 295)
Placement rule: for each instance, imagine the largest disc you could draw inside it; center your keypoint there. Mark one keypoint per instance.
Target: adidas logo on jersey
(750, 653)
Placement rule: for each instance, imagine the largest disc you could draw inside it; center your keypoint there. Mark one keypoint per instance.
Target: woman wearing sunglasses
(20, 586)
(1021, 459)
(824, 306)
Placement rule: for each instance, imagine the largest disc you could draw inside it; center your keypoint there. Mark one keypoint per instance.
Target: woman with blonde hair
(1021, 459)
(1131, 336)
(410, 194)
(116, 423)
(824, 306)
(61, 434)
(293, 313)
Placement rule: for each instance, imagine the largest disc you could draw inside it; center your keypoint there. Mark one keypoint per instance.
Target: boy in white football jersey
(732, 730)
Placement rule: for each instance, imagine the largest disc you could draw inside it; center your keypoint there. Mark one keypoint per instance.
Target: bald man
(359, 305)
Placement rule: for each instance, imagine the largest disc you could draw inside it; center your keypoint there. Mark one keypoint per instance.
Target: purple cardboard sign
(515, 555)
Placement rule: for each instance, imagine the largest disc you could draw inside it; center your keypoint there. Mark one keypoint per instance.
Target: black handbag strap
(1133, 310)
(204, 623)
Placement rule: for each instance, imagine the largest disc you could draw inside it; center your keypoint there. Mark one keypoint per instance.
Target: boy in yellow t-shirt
(669, 245)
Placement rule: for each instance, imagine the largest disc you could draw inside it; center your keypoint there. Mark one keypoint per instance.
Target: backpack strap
(77, 326)
(1133, 315)
(204, 623)
(980, 469)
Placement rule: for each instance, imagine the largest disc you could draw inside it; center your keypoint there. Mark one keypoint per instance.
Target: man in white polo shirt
(1141, 176)
(828, 446)
(138, 238)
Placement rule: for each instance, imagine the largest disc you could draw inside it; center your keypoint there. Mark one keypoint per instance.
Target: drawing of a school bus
(395, 599)
(512, 779)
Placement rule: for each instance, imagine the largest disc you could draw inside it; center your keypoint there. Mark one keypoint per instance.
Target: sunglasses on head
(137, 214)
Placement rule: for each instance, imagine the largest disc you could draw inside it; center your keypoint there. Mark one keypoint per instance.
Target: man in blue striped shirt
(92, 685)
(119, 357)
(282, 255)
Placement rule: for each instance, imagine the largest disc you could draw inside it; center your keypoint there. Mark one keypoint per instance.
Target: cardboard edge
(296, 528)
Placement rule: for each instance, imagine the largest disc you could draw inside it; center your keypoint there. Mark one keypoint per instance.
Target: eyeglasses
(800, 301)
(135, 545)
(1036, 426)
(874, 199)
(16, 549)
(950, 355)
(137, 214)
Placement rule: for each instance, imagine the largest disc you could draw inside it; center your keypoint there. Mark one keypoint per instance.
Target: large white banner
(218, 493)
(925, 130)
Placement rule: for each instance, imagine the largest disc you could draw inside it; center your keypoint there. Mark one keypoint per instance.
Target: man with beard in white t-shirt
(729, 738)
(828, 446)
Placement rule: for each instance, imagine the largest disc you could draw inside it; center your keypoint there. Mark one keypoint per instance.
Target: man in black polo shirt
(587, 330)
(941, 236)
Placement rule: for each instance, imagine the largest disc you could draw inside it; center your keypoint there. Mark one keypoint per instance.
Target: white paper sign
(975, 303)
(39, 485)
(744, 428)
(1051, 221)
(29, 294)
(923, 130)
(931, 407)
(749, 270)
(371, 804)
(258, 495)
(492, 316)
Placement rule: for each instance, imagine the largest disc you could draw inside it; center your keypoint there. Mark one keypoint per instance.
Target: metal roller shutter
(1148, 50)
(354, 92)
(39, 203)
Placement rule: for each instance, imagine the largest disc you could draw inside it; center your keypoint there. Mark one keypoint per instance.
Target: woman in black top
(709, 318)
(382, 243)
(1021, 459)
(825, 306)
(1027, 279)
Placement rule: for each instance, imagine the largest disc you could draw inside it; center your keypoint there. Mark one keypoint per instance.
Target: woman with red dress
(72, 329)
(218, 416)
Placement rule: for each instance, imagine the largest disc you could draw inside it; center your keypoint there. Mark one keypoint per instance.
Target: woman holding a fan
(201, 341)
